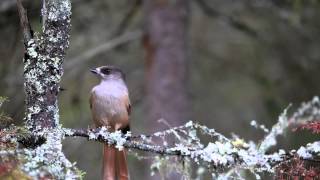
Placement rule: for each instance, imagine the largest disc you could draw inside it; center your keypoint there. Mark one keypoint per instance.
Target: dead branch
(124, 23)
(106, 46)
(6, 5)
(211, 12)
(24, 23)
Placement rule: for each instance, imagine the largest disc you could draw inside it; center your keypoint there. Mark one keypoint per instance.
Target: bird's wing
(91, 99)
(129, 108)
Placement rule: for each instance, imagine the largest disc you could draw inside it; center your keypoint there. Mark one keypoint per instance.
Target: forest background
(241, 61)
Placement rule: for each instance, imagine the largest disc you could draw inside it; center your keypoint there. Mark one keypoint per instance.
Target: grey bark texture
(166, 46)
(44, 55)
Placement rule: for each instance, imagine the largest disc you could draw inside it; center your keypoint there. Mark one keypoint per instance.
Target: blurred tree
(166, 47)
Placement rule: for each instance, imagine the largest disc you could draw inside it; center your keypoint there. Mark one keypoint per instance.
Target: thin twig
(24, 22)
(209, 11)
(124, 23)
(6, 5)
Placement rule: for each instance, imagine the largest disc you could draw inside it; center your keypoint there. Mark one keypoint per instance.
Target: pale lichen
(113, 138)
(308, 111)
(45, 161)
(43, 64)
(31, 48)
(220, 152)
(58, 10)
(48, 158)
(277, 129)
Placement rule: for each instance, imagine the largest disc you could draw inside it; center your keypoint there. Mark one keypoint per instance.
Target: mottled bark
(166, 25)
(43, 60)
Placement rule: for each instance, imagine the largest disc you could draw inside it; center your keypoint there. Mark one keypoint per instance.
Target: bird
(110, 107)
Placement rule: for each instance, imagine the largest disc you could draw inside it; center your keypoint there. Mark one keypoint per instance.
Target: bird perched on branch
(110, 107)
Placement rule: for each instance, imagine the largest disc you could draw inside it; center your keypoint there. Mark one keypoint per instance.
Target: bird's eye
(106, 71)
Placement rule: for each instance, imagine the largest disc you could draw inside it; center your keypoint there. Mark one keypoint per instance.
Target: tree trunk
(43, 60)
(166, 47)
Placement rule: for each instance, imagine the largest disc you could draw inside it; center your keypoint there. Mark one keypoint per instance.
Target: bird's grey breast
(109, 102)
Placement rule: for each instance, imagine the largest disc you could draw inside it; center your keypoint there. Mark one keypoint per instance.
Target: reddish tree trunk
(166, 47)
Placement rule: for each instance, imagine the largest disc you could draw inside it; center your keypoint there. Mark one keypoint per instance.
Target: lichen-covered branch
(232, 21)
(221, 152)
(45, 161)
(277, 129)
(43, 60)
(118, 139)
(106, 46)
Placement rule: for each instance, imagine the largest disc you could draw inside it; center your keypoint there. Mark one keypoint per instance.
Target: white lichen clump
(277, 129)
(254, 124)
(308, 111)
(31, 49)
(113, 138)
(58, 10)
(48, 159)
(311, 150)
(218, 153)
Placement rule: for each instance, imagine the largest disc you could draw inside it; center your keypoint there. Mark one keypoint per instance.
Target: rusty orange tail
(114, 164)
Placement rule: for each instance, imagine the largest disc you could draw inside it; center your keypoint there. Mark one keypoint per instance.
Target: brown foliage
(297, 168)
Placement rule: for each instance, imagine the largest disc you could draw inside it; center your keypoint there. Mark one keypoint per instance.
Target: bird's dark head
(108, 73)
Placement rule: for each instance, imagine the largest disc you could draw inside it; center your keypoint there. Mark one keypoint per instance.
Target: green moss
(80, 174)
(5, 120)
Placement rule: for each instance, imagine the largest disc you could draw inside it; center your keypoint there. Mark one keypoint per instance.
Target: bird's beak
(94, 71)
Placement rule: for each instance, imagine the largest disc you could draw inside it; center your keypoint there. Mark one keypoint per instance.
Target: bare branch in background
(113, 43)
(285, 15)
(94, 51)
(125, 22)
(241, 26)
(24, 23)
(5, 5)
